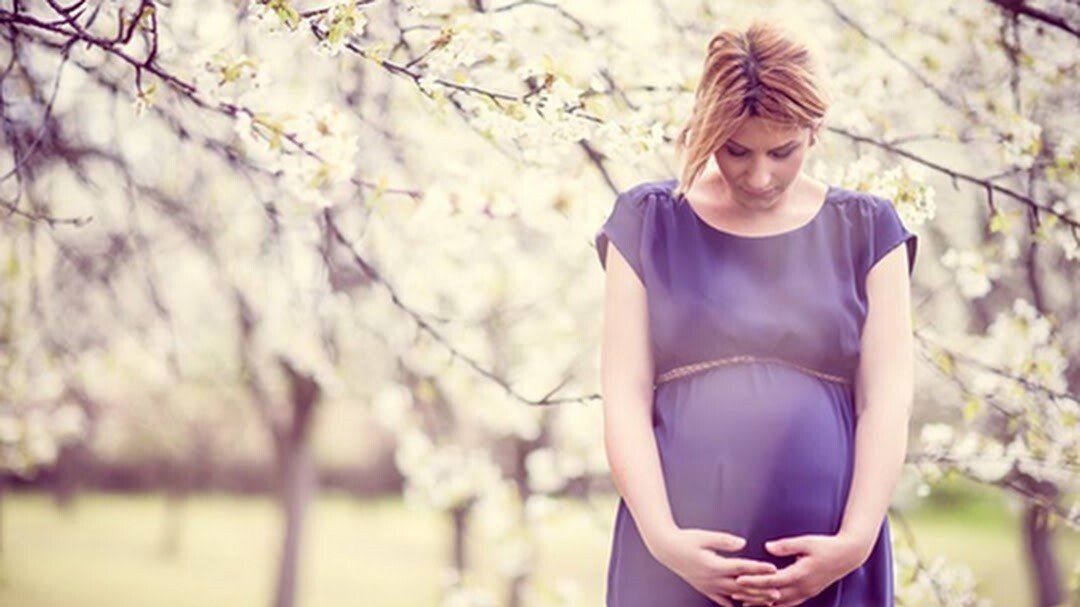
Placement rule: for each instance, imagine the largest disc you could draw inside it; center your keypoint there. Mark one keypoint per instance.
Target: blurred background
(300, 303)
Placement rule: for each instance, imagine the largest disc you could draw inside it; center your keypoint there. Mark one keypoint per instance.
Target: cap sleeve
(887, 231)
(623, 228)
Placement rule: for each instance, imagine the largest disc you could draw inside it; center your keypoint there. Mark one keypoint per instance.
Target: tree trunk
(3, 486)
(291, 437)
(460, 517)
(1038, 539)
(296, 475)
(65, 473)
(173, 525)
(518, 473)
(297, 488)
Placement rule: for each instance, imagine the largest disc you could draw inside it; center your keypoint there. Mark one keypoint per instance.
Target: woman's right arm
(626, 377)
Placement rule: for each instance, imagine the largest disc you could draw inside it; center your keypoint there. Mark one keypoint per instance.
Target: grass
(986, 537)
(378, 553)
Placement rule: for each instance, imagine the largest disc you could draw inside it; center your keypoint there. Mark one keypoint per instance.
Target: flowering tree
(226, 182)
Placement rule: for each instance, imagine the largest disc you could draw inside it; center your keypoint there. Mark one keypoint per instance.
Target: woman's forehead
(765, 135)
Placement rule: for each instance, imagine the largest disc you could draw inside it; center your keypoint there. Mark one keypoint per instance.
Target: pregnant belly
(760, 450)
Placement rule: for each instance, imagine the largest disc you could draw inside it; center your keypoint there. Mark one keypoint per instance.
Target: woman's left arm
(884, 393)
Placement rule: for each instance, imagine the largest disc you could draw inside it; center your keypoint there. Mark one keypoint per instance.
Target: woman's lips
(759, 194)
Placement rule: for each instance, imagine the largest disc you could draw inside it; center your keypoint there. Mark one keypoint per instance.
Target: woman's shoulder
(858, 209)
(858, 202)
(649, 194)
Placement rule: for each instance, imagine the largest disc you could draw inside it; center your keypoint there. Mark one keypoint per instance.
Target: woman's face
(761, 159)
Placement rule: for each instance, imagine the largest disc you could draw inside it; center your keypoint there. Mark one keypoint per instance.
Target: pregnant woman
(757, 356)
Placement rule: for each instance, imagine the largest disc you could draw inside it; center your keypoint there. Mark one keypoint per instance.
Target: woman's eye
(777, 155)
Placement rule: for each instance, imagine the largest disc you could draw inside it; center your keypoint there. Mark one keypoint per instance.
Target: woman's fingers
(744, 594)
(749, 599)
(723, 600)
(735, 567)
(730, 587)
(729, 568)
(720, 540)
(787, 577)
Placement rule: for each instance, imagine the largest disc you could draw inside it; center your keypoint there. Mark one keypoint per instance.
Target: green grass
(981, 533)
(378, 553)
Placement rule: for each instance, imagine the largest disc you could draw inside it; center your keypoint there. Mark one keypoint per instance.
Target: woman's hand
(691, 553)
(821, 560)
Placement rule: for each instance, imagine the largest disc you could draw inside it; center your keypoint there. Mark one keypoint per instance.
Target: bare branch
(1021, 7)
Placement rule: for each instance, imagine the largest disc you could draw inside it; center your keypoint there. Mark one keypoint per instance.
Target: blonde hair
(762, 71)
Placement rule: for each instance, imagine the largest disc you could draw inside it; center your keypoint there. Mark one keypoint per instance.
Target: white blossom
(936, 438)
(974, 275)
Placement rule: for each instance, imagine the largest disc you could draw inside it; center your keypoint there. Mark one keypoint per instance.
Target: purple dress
(760, 448)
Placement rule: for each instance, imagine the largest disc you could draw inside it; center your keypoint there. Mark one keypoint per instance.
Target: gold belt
(685, 370)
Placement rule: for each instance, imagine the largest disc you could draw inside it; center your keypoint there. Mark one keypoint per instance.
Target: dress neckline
(830, 189)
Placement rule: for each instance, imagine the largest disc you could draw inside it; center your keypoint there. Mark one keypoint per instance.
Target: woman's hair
(762, 71)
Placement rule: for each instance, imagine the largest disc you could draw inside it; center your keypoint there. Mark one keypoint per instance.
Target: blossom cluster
(1019, 417)
(936, 582)
(973, 272)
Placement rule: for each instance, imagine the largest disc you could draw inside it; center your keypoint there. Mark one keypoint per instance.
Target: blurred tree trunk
(3, 487)
(459, 517)
(1038, 541)
(291, 434)
(297, 482)
(520, 450)
(297, 487)
(65, 475)
(173, 527)
(1038, 536)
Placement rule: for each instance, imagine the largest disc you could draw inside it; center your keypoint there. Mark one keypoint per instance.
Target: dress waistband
(685, 370)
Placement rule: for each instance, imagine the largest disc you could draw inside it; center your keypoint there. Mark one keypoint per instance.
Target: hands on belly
(693, 554)
(821, 559)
